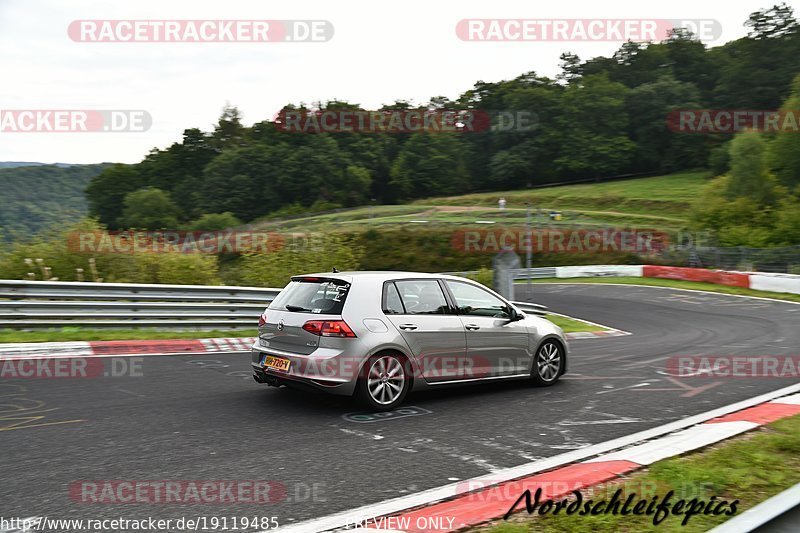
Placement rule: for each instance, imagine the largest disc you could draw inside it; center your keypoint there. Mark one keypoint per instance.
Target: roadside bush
(787, 220)
(423, 250)
(744, 221)
(300, 254)
(213, 222)
(719, 160)
(53, 254)
(297, 209)
(484, 276)
(177, 268)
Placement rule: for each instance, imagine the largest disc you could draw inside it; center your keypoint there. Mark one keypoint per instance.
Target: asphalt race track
(204, 418)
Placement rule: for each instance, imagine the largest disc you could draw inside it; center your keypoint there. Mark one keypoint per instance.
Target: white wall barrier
(775, 283)
(599, 271)
(761, 281)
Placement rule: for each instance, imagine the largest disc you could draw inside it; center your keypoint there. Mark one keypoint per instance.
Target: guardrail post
(503, 265)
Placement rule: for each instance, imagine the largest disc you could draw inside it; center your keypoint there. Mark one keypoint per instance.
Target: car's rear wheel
(384, 382)
(548, 363)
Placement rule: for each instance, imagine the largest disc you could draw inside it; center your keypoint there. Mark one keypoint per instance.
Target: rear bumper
(329, 372)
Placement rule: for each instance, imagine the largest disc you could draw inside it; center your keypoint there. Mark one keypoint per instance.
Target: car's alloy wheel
(548, 363)
(385, 383)
(386, 380)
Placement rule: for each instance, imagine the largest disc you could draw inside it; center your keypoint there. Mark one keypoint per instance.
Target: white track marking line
(359, 433)
(426, 497)
(677, 443)
(794, 399)
(45, 349)
(645, 384)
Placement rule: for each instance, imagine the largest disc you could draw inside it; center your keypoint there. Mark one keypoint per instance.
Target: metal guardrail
(534, 273)
(15, 289)
(53, 304)
(48, 304)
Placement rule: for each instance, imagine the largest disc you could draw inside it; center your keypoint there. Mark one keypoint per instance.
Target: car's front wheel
(548, 364)
(384, 383)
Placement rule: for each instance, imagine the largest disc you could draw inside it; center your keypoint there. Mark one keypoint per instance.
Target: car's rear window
(323, 296)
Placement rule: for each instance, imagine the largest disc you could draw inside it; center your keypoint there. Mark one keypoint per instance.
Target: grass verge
(573, 325)
(677, 284)
(80, 334)
(750, 468)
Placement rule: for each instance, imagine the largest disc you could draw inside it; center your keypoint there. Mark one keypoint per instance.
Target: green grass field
(82, 334)
(573, 325)
(750, 468)
(659, 198)
(661, 202)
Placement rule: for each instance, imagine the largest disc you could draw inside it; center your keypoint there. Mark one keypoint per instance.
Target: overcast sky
(381, 51)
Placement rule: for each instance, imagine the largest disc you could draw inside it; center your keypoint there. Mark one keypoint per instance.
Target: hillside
(661, 202)
(35, 197)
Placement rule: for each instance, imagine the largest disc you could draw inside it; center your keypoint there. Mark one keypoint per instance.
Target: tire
(384, 383)
(548, 364)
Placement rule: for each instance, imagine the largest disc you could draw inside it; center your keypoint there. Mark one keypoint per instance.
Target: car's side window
(422, 297)
(474, 301)
(392, 305)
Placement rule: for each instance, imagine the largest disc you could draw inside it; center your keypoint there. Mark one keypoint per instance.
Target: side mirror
(513, 315)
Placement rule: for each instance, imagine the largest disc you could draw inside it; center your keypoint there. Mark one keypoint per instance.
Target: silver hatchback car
(379, 335)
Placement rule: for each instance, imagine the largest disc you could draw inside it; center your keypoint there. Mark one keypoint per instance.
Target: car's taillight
(262, 319)
(329, 328)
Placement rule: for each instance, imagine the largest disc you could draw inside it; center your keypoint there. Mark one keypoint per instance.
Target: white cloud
(381, 52)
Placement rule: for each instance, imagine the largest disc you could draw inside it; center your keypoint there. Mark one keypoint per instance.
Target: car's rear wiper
(296, 308)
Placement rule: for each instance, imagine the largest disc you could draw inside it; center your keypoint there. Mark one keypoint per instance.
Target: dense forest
(34, 197)
(599, 117)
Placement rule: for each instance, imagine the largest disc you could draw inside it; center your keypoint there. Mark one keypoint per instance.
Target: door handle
(472, 327)
(407, 327)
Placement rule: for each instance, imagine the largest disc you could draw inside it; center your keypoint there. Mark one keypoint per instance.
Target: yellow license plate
(277, 363)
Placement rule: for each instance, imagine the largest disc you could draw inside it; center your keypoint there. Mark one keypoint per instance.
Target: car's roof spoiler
(320, 279)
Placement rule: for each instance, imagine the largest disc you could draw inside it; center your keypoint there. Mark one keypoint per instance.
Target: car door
(496, 345)
(429, 325)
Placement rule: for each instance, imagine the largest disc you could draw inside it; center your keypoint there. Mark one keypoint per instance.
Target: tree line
(598, 117)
